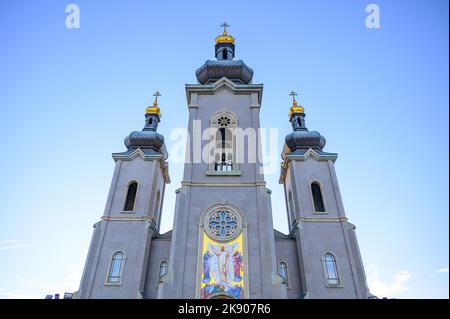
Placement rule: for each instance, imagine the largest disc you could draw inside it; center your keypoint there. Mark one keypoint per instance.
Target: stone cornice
(220, 184)
(150, 221)
(146, 157)
(303, 157)
(297, 223)
(223, 82)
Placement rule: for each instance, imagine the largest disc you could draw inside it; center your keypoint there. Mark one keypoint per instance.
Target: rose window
(223, 121)
(222, 224)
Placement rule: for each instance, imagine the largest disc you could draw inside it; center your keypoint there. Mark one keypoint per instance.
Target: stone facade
(129, 258)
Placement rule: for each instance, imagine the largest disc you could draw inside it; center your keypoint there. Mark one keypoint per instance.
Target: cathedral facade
(223, 244)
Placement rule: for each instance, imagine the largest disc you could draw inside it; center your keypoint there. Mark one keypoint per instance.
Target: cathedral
(223, 244)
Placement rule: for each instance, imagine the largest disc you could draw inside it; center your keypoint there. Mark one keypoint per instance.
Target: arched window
(332, 276)
(225, 54)
(282, 271)
(131, 197)
(317, 197)
(291, 203)
(115, 269)
(163, 267)
(224, 152)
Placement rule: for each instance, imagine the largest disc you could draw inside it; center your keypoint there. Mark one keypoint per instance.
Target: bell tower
(118, 257)
(222, 242)
(330, 264)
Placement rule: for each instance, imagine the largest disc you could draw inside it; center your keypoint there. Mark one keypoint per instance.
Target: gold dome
(154, 109)
(295, 108)
(225, 37)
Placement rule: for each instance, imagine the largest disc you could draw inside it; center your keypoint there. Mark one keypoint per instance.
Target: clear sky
(68, 97)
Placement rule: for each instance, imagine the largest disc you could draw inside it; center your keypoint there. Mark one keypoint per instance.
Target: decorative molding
(303, 157)
(127, 218)
(223, 83)
(219, 184)
(146, 157)
(225, 173)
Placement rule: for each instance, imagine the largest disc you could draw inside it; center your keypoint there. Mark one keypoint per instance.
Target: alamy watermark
(73, 19)
(373, 19)
(224, 149)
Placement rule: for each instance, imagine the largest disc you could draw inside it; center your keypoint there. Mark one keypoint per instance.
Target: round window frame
(213, 236)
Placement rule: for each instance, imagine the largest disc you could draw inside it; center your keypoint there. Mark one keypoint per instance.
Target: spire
(153, 114)
(154, 109)
(295, 108)
(148, 138)
(225, 45)
(225, 65)
(301, 138)
(225, 37)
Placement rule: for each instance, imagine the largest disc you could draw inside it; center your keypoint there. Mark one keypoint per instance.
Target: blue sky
(68, 97)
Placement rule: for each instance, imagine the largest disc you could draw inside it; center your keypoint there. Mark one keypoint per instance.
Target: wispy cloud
(391, 288)
(442, 270)
(12, 244)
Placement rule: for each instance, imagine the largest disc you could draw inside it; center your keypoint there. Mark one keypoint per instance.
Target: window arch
(225, 54)
(116, 268)
(331, 270)
(131, 197)
(163, 269)
(224, 142)
(283, 272)
(317, 197)
(291, 202)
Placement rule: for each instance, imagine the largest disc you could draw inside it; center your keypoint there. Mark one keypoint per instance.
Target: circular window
(223, 121)
(223, 224)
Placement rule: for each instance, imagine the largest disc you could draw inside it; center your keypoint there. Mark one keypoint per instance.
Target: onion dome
(225, 37)
(301, 138)
(237, 71)
(148, 138)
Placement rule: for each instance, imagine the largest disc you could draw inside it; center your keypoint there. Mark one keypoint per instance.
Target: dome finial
(295, 108)
(154, 109)
(225, 37)
(224, 25)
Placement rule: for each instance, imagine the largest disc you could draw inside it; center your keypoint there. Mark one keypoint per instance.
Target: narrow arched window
(131, 197)
(224, 145)
(163, 269)
(317, 197)
(115, 270)
(282, 271)
(225, 54)
(332, 275)
(291, 203)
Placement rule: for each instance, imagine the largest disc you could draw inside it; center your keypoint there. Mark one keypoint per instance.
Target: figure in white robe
(222, 268)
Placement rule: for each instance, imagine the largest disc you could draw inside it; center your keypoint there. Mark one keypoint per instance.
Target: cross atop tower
(224, 25)
(156, 94)
(293, 94)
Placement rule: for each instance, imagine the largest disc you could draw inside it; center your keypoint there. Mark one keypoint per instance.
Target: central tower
(222, 241)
